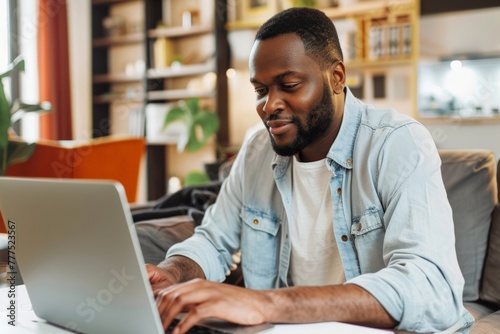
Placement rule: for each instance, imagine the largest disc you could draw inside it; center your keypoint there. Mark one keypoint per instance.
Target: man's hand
(159, 278)
(173, 270)
(203, 299)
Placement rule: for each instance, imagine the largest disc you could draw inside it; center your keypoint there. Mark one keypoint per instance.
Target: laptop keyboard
(196, 329)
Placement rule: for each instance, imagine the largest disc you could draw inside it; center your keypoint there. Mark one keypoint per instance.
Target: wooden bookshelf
(136, 38)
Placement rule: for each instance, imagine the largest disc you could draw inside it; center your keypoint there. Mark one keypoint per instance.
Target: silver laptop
(80, 258)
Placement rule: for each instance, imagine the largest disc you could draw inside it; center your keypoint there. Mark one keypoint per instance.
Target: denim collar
(342, 148)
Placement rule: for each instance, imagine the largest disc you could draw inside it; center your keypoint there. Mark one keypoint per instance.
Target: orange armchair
(111, 158)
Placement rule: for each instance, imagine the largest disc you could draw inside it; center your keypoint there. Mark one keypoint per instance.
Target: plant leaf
(20, 108)
(4, 117)
(193, 106)
(17, 151)
(200, 125)
(5, 113)
(4, 129)
(175, 114)
(16, 63)
(209, 124)
(196, 178)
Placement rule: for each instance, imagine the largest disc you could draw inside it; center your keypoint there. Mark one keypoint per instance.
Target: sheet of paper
(325, 328)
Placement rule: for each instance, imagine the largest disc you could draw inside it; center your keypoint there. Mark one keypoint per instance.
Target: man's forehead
(284, 41)
(281, 49)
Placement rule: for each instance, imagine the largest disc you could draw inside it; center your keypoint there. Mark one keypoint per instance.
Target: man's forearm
(346, 303)
(181, 268)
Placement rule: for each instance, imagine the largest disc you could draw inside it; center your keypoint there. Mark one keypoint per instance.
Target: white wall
(474, 31)
(28, 25)
(242, 112)
(471, 31)
(466, 135)
(80, 72)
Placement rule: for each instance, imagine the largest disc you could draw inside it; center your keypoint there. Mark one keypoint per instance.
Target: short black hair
(314, 28)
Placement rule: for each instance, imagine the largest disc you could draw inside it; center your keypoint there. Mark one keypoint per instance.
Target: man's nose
(274, 102)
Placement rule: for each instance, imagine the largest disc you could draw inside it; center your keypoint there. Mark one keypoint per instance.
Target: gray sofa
(470, 178)
(471, 181)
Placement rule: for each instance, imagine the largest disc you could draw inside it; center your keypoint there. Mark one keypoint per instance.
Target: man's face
(293, 97)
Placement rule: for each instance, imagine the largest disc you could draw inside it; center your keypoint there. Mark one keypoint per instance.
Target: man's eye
(290, 86)
(260, 91)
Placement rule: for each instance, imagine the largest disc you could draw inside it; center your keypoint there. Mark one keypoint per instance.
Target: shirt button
(359, 227)
(256, 222)
(344, 238)
(339, 191)
(349, 161)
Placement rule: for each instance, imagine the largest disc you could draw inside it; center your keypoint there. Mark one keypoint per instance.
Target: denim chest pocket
(368, 233)
(259, 242)
(367, 222)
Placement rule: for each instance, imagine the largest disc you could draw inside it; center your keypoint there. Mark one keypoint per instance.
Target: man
(338, 204)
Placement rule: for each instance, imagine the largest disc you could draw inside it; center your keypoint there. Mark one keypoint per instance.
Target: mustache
(277, 117)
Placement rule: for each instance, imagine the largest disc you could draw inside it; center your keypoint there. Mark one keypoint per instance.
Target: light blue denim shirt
(391, 217)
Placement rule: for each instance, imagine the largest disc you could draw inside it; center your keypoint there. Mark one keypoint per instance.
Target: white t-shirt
(315, 258)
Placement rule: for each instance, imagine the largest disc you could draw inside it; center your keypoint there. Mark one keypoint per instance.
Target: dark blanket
(191, 201)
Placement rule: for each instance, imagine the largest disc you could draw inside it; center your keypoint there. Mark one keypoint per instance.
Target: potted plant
(13, 150)
(200, 124)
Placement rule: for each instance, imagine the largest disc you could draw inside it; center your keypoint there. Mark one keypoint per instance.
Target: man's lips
(279, 126)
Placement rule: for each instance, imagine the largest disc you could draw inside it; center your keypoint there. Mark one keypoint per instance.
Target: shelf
(177, 94)
(135, 38)
(364, 8)
(174, 32)
(112, 87)
(116, 78)
(180, 71)
(113, 97)
(370, 8)
(397, 61)
(241, 25)
(456, 119)
(110, 2)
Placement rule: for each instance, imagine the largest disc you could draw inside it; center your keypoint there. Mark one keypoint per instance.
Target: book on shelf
(375, 38)
(394, 39)
(136, 122)
(163, 54)
(406, 39)
(389, 40)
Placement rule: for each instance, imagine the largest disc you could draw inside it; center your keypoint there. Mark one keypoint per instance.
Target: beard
(318, 121)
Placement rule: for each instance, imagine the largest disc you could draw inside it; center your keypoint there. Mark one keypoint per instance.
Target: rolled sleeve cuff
(384, 292)
(204, 254)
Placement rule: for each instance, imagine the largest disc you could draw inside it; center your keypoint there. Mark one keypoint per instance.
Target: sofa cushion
(479, 310)
(490, 289)
(487, 325)
(158, 235)
(469, 178)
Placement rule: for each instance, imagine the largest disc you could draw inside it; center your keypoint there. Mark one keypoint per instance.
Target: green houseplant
(13, 150)
(199, 125)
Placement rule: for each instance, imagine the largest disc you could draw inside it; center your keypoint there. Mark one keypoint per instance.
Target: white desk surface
(28, 322)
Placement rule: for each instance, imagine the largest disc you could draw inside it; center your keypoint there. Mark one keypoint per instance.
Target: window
(4, 44)
(26, 85)
(4, 33)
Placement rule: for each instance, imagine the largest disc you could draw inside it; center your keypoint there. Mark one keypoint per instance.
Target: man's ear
(337, 77)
